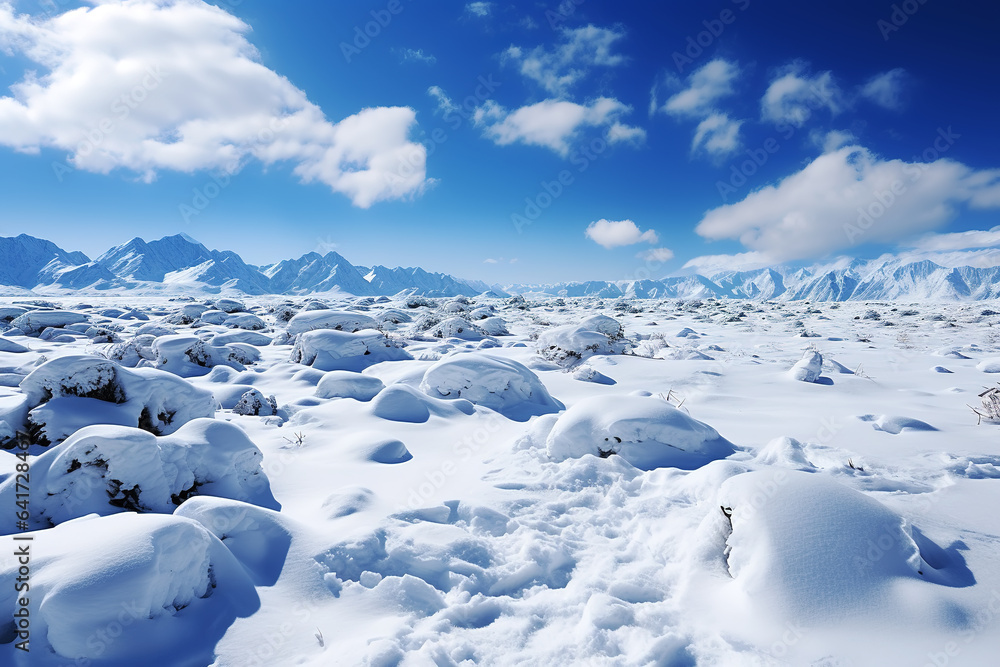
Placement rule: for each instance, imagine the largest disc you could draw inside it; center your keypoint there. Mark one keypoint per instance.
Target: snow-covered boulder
(646, 431)
(336, 320)
(245, 337)
(213, 317)
(401, 403)
(130, 352)
(330, 350)
(247, 321)
(253, 403)
(569, 344)
(456, 327)
(808, 368)
(71, 392)
(116, 590)
(189, 356)
(230, 305)
(104, 469)
(493, 326)
(500, 384)
(347, 384)
(34, 322)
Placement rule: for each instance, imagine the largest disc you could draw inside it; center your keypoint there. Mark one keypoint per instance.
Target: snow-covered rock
(646, 431)
(34, 322)
(456, 327)
(105, 590)
(189, 356)
(104, 469)
(571, 343)
(330, 350)
(500, 384)
(336, 320)
(253, 403)
(808, 368)
(71, 392)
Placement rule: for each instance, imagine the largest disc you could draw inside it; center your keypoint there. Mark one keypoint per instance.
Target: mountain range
(180, 264)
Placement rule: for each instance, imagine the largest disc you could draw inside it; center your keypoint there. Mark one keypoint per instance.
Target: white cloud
(706, 86)
(479, 8)
(619, 133)
(977, 238)
(794, 95)
(578, 51)
(850, 196)
(551, 123)
(709, 265)
(151, 85)
(832, 140)
(886, 89)
(490, 260)
(445, 104)
(616, 233)
(418, 56)
(718, 135)
(656, 255)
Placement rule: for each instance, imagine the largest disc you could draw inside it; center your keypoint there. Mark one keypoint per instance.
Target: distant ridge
(179, 264)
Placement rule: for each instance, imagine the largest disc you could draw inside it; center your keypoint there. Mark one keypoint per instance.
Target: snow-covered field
(410, 481)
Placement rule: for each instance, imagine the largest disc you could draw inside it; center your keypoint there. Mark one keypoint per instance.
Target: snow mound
(798, 538)
(989, 365)
(34, 322)
(7, 345)
(503, 385)
(330, 350)
(245, 337)
(257, 537)
(646, 431)
(106, 469)
(336, 320)
(456, 327)
(400, 403)
(376, 447)
(71, 392)
(896, 424)
(784, 451)
(189, 356)
(571, 343)
(683, 354)
(808, 368)
(247, 321)
(114, 588)
(493, 326)
(347, 384)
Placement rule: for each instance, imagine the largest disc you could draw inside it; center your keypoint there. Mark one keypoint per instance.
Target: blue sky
(507, 141)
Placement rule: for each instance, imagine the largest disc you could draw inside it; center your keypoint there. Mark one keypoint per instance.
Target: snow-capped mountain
(181, 264)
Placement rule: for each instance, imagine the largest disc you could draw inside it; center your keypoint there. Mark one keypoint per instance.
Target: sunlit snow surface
(475, 481)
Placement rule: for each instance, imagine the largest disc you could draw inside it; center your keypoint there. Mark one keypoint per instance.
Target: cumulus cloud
(850, 196)
(795, 94)
(656, 255)
(152, 85)
(552, 123)
(705, 87)
(886, 89)
(620, 133)
(579, 50)
(718, 136)
(617, 233)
